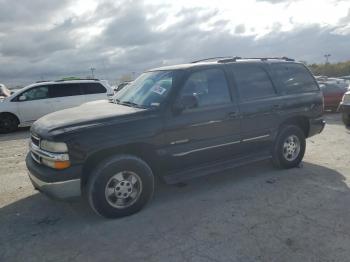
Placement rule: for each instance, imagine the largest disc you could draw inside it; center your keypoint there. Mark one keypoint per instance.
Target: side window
(295, 78)
(209, 87)
(62, 90)
(93, 88)
(36, 93)
(253, 82)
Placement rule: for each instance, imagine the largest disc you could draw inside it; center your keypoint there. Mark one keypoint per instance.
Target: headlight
(346, 99)
(54, 147)
(56, 164)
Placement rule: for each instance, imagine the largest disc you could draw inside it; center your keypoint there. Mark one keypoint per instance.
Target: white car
(34, 101)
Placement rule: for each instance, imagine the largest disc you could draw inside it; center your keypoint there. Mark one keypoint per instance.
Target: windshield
(148, 90)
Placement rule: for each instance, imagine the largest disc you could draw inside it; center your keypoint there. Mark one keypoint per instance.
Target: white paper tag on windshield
(159, 90)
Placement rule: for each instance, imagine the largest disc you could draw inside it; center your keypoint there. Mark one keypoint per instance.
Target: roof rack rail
(234, 59)
(210, 58)
(42, 81)
(77, 79)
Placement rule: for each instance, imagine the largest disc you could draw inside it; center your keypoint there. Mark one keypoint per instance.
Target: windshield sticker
(155, 104)
(159, 90)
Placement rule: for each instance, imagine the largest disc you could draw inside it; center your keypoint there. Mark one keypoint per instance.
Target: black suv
(176, 123)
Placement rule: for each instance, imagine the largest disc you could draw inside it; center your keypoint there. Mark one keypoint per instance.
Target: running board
(178, 176)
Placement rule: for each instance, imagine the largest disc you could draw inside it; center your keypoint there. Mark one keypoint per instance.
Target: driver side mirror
(185, 102)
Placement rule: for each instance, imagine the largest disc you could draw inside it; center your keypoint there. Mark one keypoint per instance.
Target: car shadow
(333, 118)
(21, 133)
(40, 210)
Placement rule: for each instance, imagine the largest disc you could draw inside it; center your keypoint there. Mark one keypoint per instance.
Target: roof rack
(234, 59)
(77, 79)
(210, 58)
(42, 81)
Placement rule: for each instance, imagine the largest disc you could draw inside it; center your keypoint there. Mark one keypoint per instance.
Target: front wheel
(120, 186)
(8, 123)
(289, 147)
(346, 119)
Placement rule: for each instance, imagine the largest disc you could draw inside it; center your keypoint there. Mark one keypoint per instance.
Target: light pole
(92, 72)
(327, 58)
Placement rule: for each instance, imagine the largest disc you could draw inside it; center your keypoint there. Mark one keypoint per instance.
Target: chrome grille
(36, 157)
(35, 140)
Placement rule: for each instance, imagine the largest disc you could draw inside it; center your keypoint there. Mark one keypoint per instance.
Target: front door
(207, 131)
(34, 103)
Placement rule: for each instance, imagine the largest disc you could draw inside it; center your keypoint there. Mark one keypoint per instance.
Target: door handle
(233, 115)
(276, 107)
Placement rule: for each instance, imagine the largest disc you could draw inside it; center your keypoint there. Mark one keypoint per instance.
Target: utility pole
(327, 58)
(92, 72)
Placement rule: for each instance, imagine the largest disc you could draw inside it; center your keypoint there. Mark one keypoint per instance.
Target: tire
(120, 186)
(289, 147)
(8, 123)
(346, 119)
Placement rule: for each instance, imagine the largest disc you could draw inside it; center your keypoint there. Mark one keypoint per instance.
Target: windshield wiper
(131, 104)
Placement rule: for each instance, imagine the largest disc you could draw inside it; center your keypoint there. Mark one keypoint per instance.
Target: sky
(45, 40)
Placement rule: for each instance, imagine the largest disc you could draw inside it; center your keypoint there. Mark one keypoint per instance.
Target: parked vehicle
(341, 83)
(344, 108)
(347, 78)
(176, 123)
(332, 94)
(34, 101)
(121, 86)
(4, 92)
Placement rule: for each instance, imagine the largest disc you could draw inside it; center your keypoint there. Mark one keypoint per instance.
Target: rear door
(210, 130)
(93, 91)
(258, 101)
(66, 95)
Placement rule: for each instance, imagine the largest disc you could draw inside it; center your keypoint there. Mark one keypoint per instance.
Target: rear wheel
(8, 123)
(346, 119)
(120, 186)
(289, 147)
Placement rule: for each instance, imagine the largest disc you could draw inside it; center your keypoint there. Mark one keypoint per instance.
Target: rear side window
(253, 82)
(62, 90)
(93, 88)
(295, 78)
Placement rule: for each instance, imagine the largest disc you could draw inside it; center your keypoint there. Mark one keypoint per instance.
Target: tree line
(331, 70)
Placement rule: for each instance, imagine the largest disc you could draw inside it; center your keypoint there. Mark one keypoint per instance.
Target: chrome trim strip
(255, 138)
(207, 123)
(205, 148)
(180, 141)
(48, 155)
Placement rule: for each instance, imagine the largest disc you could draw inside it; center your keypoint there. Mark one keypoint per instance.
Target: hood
(87, 115)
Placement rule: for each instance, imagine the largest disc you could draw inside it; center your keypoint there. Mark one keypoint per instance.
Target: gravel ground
(253, 213)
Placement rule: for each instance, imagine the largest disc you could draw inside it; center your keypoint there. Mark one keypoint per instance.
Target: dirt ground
(253, 213)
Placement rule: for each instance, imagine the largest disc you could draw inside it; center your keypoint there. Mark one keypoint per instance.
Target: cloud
(119, 37)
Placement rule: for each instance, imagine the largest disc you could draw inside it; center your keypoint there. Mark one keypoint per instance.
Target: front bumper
(57, 190)
(57, 184)
(316, 126)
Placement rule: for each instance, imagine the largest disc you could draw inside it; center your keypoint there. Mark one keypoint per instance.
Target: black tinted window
(295, 78)
(61, 90)
(253, 82)
(93, 88)
(208, 86)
